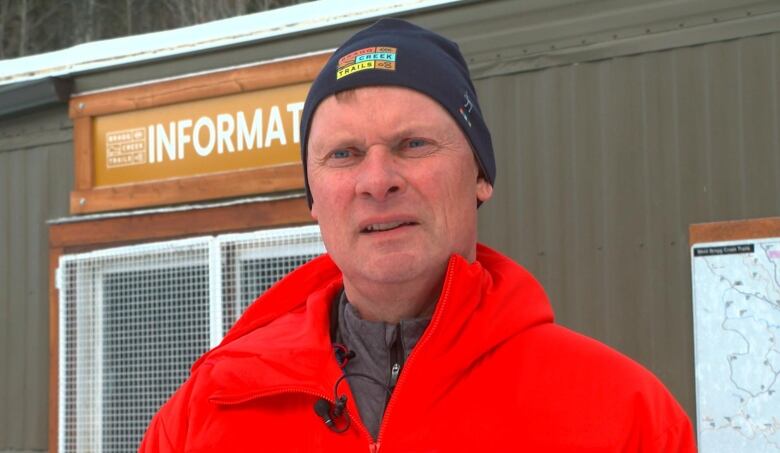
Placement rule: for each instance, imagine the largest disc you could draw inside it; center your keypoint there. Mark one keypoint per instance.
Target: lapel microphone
(329, 413)
(322, 408)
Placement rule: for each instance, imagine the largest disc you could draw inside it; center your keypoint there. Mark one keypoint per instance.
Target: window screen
(251, 264)
(133, 319)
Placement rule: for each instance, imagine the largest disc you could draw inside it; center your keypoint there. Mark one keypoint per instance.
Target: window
(133, 319)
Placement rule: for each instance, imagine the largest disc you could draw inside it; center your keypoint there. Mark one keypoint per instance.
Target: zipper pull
(394, 372)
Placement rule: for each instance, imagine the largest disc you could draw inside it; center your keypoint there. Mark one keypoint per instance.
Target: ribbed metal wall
(604, 165)
(36, 175)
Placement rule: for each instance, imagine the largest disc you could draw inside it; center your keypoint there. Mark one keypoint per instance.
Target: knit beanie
(397, 53)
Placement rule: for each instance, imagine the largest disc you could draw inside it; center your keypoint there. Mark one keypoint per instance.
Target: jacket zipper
(397, 359)
(373, 447)
(394, 372)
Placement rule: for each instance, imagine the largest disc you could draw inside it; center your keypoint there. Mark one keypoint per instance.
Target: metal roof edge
(36, 81)
(210, 36)
(185, 75)
(34, 94)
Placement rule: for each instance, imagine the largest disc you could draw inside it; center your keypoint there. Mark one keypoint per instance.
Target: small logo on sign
(125, 148)
(369, 58)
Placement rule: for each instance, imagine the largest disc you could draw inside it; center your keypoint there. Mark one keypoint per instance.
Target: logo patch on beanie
(369, 58)
(466, 108)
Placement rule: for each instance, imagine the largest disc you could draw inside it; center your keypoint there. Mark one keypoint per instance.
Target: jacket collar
(282, 341)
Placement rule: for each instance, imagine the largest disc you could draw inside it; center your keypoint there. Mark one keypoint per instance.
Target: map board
(736, 310)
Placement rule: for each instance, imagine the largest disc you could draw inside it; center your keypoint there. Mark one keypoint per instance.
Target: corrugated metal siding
(603, 166)
(36, 175)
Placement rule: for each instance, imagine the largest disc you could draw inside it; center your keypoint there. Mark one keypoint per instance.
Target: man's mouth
(377, 227)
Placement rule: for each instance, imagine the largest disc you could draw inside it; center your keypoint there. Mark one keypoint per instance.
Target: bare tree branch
(22, 27)
(3, 19)
(129, 16)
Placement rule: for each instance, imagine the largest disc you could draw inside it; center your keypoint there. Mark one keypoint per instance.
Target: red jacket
(491, 373)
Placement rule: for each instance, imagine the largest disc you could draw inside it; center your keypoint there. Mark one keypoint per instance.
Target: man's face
(394, 183)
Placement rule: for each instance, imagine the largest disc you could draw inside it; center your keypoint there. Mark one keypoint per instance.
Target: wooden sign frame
(86, 198)
(734, 230)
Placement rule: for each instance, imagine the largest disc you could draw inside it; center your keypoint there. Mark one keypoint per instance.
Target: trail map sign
(736, 307)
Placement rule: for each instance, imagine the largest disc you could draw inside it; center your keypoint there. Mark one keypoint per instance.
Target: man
(408, 336)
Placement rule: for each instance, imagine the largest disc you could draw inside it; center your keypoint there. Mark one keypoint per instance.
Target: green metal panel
(605, 164)
(36, 175)
(5, 294)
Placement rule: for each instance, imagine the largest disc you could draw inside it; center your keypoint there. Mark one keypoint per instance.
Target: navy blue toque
(396, 52)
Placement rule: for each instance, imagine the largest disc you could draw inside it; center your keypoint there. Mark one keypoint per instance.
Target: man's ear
(313, 210)
(484, 190)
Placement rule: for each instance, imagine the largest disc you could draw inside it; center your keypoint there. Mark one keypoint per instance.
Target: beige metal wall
(603, 166)
(36, 174)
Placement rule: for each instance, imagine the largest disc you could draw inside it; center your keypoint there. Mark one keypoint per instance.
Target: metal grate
(133, 319)
(253, 263)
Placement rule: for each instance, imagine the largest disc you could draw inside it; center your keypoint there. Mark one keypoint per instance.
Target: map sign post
(736, 311)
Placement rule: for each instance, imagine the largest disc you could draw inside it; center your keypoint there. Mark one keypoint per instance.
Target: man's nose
(379, 176)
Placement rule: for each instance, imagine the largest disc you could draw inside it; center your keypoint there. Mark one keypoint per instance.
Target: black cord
(365, 376)
(340, 402)
(337, 430)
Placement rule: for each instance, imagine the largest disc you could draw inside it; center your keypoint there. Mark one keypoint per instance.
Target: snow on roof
(97, 55)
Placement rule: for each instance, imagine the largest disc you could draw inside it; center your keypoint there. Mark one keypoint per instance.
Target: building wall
(603, 166)
(36, 174)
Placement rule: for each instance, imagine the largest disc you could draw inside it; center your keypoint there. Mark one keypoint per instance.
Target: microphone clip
(343, 354)
(338, 408)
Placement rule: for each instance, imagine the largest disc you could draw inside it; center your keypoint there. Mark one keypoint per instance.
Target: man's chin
(399, 267)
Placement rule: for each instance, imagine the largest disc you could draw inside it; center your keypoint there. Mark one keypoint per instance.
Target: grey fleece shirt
(380, 350)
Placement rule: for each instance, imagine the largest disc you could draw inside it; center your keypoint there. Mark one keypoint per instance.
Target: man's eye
(341, 157)
(341, 154)
(416, 143)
